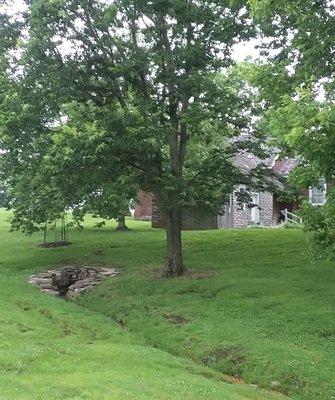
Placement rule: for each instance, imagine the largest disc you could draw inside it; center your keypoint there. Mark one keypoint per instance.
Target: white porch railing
(290, 217)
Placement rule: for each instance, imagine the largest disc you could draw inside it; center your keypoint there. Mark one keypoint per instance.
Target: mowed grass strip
(53, 349)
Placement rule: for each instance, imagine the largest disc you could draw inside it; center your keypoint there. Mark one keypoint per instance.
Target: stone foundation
(70, 281)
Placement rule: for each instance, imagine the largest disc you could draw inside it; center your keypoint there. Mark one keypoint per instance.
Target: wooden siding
(192, 219)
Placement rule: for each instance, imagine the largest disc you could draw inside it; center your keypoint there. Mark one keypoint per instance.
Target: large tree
(297, 87)
(299, 72)
(131, 88)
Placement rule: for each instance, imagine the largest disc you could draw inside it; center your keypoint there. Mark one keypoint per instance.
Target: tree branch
(142, 78)
(108, 54)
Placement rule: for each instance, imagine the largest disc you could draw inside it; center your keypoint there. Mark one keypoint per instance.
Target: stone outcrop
(70, 281)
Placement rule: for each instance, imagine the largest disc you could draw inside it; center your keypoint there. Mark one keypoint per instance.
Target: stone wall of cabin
(242, 216)
(266, 209)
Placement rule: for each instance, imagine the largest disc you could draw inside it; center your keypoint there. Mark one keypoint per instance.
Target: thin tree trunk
(45, 233)
(62, 229)
(65, 229)
(121, 224)
(174, 265)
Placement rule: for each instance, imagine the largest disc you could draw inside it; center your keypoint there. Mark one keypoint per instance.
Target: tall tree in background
(298, 87)
(299, 73)
(132, 88)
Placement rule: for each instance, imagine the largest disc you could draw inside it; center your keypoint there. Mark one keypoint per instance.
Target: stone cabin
(265, 209)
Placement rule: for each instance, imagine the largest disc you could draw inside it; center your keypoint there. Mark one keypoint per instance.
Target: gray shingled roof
(286, 165)
(247, 161)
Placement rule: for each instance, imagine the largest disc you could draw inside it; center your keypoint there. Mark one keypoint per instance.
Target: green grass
(262, 311)
(53, 349)
(267, 315)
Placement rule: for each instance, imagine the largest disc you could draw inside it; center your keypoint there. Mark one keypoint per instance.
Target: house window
(242, 207)
(317, 194)
(241, 195)
(255, 208)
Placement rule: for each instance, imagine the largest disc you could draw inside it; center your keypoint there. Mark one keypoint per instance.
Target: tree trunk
(45, 233)
(121, 224)
(174, 265)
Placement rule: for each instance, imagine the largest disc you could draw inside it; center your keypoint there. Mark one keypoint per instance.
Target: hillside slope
(53, 349)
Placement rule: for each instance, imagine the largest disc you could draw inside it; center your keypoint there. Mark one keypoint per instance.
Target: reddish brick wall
(143, 209)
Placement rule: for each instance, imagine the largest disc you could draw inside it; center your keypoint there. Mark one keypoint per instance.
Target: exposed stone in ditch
(70, 281)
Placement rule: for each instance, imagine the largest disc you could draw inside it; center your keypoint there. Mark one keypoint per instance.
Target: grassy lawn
(53, 349)
(253, 305)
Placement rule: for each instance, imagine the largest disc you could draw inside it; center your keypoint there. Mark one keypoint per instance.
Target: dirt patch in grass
(234, 355)
(199, 274)
(208, 374)
(23, 328)
(7, 367)
(293, 380)
(188, 275)
(176, 319)
(99, 252)
(326, 334)
(122, 323)
(23, 306)
(50, 245)
(67, 329)
(204, 292)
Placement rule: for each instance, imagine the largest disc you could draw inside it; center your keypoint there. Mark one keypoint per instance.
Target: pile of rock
(70, 281)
